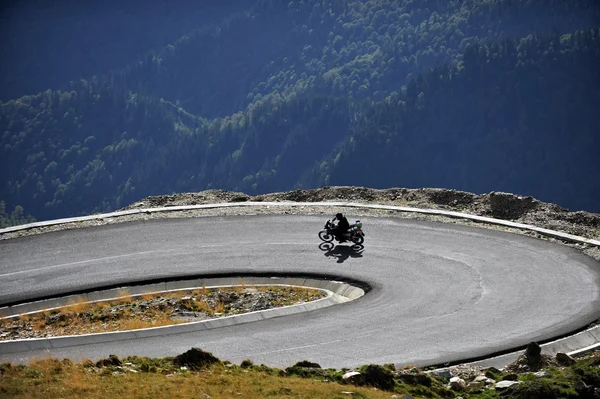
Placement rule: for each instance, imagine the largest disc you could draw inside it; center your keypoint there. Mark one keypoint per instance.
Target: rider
(342, 227)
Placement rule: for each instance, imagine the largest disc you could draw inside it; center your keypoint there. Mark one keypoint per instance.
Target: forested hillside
(45, 44)
(474, 95)
(508, 118)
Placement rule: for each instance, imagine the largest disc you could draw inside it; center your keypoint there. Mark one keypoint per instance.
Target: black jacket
(342, 225)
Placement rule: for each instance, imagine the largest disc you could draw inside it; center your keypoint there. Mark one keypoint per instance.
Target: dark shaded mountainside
(474, 95)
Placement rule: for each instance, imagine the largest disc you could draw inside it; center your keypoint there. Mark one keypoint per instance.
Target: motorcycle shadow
(341, 252)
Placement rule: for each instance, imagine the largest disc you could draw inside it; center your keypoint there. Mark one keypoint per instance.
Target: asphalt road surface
(439, 292)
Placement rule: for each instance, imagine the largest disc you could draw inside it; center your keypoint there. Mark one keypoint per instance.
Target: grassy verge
(160, 378)
(198, 374)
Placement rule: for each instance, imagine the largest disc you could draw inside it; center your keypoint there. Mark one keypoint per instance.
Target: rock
(457, 384)
(354, 378)
(584, 390)
(195, 359)
(510, 377)
(444, 373)
(565, 360)
(475, 385)
(533, 353)
(484, 380)
(505, 384)
(510, 206)
(541, 374)
(450, 197)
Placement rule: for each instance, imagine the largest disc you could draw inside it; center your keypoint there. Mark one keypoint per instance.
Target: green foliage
(498, 123)
(541, 388)
(588, 371)
(306, 369)
(303, 94)
(378, 376)
(16, 217)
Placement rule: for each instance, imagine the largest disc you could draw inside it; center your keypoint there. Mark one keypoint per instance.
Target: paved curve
(440, 292)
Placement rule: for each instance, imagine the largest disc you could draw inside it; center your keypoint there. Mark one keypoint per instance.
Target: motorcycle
(354, 234)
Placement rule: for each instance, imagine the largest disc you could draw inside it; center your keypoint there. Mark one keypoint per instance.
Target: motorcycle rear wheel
(358, 240)
(323, 235)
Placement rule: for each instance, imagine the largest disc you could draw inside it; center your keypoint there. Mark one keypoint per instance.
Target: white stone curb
(437, 212)
(337, 292)
(578, 344)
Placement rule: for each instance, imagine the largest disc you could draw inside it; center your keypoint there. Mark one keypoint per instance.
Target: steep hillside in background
(519, 115)
(475, 95)
(356, 49)
(46, 44)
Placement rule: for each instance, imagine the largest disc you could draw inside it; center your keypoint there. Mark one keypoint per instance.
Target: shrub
(112, 360)
(588, 371)
(378, 376)
(195, 359)
(542, 388)
(306, 363)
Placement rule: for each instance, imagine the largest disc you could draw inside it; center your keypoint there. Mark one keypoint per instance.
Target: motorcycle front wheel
(325, 236)
(358, 240)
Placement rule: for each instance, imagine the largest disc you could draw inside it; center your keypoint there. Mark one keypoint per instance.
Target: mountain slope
(517, 116)
(307, 93)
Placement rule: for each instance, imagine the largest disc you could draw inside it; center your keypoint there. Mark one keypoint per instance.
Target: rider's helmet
(339, 215)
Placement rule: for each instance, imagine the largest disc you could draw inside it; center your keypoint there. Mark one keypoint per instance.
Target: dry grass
(53, 379)
(124, 313)
(76, 305)
(124, 297)
(147, 297)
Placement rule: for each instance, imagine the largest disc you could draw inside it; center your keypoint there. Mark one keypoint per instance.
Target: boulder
(353, 378)
(584, 390)
(510, 206)
(484, 380)
(533, 353)
(444, 373)
(565, 360)
(457, 384)
(505, 384)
